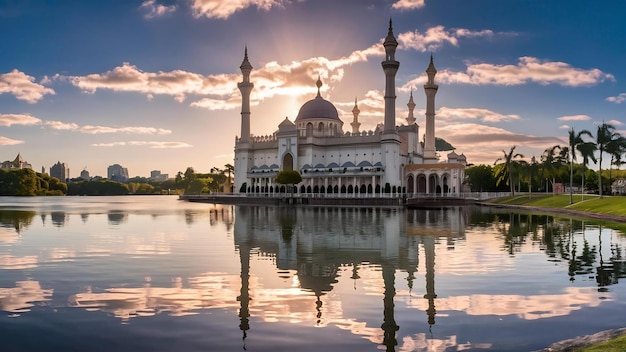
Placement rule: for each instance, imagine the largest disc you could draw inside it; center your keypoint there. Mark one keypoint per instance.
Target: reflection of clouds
(20, 298)
(8, 236)
(59, 255)
(420, 342)
(525, 307)
(214, 290)
(9, 262)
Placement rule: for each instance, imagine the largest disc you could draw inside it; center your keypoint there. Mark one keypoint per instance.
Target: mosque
(354, 163)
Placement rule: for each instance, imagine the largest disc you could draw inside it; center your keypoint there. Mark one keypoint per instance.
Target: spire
(431, 71)
(245, 67)
(390, 44)
(355, 122)
(319, 85)
(411, 105)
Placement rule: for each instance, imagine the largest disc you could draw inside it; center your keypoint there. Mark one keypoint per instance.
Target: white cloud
(150, 144)
(574, 118)
(615, 122)
(435, 37)
(88, 129)
(528, 69)
(9, 141)
(408, 4)
(23, 87)
(156, 10)
(222, 9)
(484, 115)
(564, 127)
(18, 119)
(617, 99)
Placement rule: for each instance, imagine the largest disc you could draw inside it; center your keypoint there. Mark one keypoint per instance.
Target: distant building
(156, 175)
(619, 187)
(117, 173)
(60, 171)
(18, 163)
(84, 174)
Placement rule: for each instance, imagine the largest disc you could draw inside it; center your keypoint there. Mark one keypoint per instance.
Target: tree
(615, 148)
(605, 136)
(530, 172)
(507, 170)
(586, 150)
(229, 169)
(575, 140)
(480, 178)
(288, 177)
(552, 161)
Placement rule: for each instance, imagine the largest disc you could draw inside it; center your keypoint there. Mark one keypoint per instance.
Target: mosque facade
(331, 160)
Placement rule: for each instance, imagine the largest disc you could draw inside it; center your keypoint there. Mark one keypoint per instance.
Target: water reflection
(23, 296)
(16, 219)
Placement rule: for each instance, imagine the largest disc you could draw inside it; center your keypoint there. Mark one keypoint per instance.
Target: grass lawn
(614, 345)
(613, 205)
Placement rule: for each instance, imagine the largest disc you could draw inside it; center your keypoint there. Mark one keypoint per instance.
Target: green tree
(587, 151)
(552, 161)
(575, 141)
(605, 136)
(288, 177)
(506, 170)
(480, 178)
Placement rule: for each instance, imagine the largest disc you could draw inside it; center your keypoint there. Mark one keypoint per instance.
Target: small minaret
(355, 122)
(430, 88)
(411, 105)
(245, 88)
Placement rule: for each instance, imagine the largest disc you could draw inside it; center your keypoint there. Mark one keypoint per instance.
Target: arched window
(320, 127)
(288, 162)
(309, 129)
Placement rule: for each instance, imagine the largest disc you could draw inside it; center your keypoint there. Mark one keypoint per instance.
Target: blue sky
(151, 85)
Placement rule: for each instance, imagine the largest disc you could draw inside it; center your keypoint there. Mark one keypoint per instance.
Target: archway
(409, 183)
(288, 162)
(421, 183)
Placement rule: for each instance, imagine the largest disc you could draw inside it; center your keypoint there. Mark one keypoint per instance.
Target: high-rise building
(156, 175)
(84, 174)
(60, 171)
(117, 173)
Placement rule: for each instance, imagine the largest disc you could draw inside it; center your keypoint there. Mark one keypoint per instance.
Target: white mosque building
(355, 163)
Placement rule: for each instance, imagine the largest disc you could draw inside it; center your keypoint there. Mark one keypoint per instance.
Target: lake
(152, 273)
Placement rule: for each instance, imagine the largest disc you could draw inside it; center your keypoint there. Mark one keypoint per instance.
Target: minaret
(390, 140)
(390, 67)
(242, 146)
(245, 88)
(355, 122)
(411, 105)
(430, 88)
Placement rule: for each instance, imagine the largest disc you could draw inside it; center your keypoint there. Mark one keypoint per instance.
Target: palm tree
(616, 148)
(531, 170)
(506, 170)
(575, 140)
(552, 162)
(605, 136)
(229, 169)
(587, 151)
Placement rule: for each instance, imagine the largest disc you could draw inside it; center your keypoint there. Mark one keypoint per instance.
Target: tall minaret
(245, 88)
(430, 88)
(390, 67)
(355, 122)
(242, 146)
(411, 105)
(390, 140)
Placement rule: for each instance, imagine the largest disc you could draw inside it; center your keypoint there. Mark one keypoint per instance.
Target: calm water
(157, 274)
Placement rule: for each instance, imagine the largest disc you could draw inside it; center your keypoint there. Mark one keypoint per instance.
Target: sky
(152, 84)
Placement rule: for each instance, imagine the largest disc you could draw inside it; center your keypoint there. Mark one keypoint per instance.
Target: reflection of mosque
(317, 242)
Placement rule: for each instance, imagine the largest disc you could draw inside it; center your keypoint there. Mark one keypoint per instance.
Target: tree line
(557, 164)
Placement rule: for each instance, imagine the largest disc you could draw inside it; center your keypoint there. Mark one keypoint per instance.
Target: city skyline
(153, 84)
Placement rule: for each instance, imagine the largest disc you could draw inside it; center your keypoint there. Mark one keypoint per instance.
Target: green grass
(615, 345)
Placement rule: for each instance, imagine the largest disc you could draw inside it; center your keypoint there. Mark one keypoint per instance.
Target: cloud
(221, 9)
(574, 118)
(474, 114)
(156, 10)
(23, 87)
(9, 141)
(615, 122)
(435, 37)
(88, 129)
(18, 119)
(408, 4)
(617, 99)
(564, 127)
(150, 144)
(527, 70)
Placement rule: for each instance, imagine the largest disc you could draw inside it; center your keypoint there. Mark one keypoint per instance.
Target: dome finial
(319, 85)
